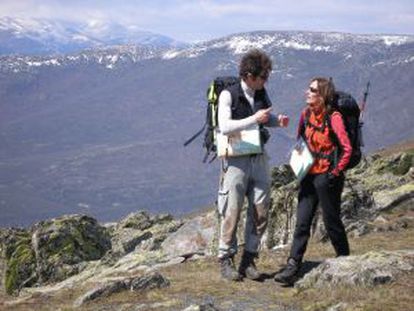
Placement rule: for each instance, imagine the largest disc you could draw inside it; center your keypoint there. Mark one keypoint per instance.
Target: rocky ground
(148, 262)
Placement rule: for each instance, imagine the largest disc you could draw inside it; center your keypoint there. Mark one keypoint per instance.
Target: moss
(59, 246)
(71, 242)
(403, 166)
(398, 164)
(64, 243)
(20, 263)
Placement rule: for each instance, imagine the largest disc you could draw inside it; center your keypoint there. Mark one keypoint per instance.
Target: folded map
(301, 159)
(239, 143)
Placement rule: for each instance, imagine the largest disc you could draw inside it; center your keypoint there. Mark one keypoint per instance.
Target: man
(241, 106)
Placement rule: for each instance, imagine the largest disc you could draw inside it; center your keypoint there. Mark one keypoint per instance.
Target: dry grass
(404, 146)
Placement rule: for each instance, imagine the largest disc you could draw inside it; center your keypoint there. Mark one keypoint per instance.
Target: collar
(319, 117)
(246, 89)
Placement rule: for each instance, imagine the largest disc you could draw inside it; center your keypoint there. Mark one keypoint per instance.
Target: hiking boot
(227, 269)
(288, 274)
(248, 267)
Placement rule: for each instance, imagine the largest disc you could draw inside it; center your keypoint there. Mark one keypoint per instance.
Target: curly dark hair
(255, 62)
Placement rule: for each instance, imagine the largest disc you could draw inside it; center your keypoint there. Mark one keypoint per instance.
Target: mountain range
(101, 130)
(44, 37)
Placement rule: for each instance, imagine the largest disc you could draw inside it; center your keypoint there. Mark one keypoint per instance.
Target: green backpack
(213, 92)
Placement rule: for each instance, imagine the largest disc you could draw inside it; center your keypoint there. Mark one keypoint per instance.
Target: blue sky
(203, 19)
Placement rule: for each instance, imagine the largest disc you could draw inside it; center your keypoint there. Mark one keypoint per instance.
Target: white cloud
(206, 19)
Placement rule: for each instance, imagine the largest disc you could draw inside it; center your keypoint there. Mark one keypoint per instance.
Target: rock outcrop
(75, 250)
(51, 250)
(137, 284)
(194, 237)
(140, 232)
(366, 270)
(377, 184)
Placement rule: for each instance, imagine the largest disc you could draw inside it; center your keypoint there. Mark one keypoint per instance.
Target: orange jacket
(320, 141)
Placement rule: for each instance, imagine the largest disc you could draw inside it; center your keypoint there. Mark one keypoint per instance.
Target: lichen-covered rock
(62, 244)
(103, 290)
(370, 269)
(387, 199)
(164, 226)
(19, 261)
(380, 174)
(398, 164)
(140, 232)
(378, 183)
(127, 239)
(141, 283)
(150, 281)
(50, 251)
(140, 221)
(282, 176)
(282, 215)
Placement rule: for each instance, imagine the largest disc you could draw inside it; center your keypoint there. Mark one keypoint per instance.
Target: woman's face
(313, 99)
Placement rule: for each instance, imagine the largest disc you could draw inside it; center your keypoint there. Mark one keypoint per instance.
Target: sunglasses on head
(313, 90)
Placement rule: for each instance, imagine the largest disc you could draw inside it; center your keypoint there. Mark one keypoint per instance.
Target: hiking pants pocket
(222, 201)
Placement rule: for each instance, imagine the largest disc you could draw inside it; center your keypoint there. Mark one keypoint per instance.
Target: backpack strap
(307, 123)
(304, 124)
(333, 156)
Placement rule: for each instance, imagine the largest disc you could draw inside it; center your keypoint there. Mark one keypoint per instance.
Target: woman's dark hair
(255, 62)
(326, 90)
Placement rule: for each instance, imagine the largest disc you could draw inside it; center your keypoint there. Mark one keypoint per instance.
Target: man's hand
(262, 115)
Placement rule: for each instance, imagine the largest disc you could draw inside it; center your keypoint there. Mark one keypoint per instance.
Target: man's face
(257, 83)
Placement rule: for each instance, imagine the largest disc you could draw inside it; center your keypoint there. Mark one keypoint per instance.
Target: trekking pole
(361, 116)
(364, 102)
(188, 141)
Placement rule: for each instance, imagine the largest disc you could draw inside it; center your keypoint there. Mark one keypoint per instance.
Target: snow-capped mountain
(42, 37)
(296, 40)
(101, 131)
(348, 46)
(108, 57)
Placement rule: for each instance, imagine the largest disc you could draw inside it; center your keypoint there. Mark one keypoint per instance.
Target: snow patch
(378, 64)
(241, 45)
(112, 58)
(348, 56)
(171, 54)
(395, 40)
(34, 64)
(322, 48)
(295, 45)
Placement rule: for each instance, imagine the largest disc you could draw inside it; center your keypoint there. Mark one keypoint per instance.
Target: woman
(331, 148)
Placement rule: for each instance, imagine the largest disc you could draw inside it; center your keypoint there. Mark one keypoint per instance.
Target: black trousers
(316, 189)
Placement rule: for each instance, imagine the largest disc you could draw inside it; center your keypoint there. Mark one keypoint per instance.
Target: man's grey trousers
(243, 176)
